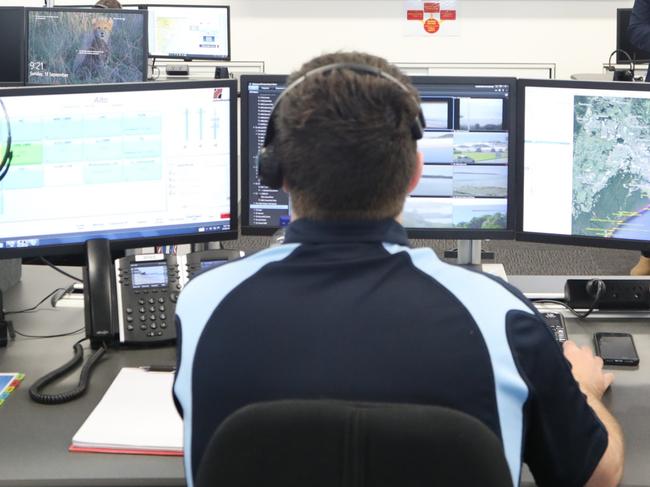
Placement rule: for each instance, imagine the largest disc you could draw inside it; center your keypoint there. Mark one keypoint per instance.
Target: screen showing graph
(150, 161)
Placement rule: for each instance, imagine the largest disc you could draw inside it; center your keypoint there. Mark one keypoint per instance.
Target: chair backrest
(326, 443)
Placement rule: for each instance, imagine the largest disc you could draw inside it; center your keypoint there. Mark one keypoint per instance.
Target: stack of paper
(136, 415)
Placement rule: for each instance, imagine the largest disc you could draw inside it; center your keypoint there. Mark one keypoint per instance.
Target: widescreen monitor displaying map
(584, 173)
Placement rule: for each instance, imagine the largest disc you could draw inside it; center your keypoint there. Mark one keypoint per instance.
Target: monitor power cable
(63, 397)
(595, 287)
(54, 296)
(59, 270)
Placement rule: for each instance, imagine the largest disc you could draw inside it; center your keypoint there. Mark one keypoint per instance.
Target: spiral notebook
(136, 416)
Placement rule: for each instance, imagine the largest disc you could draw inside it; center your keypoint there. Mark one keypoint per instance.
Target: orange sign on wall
(425, 18)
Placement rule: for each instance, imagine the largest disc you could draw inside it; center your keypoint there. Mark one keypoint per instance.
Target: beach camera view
(465, 179)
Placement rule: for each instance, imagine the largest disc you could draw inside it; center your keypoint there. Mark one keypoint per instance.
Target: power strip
(619, 294)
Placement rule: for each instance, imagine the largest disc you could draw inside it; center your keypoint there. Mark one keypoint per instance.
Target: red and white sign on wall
(425, 18)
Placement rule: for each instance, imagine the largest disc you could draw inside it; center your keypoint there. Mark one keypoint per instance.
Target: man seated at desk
(345, 309)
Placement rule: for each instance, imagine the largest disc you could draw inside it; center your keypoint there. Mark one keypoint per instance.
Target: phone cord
(61, 397)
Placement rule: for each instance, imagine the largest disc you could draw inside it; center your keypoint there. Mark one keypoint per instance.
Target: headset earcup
(417, 129)
(269, 169)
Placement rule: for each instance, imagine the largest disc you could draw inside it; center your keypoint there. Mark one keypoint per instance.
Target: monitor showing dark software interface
(189, 31)
(112, 161)
(75, 46)
(585, 165)
(468, 147)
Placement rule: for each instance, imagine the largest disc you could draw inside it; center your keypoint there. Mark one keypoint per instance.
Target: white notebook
(136, 415)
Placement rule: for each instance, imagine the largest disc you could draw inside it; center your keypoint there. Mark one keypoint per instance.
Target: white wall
(577, 35)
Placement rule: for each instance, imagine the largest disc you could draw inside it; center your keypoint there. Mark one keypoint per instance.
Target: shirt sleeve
(639, 28)
(563, 438)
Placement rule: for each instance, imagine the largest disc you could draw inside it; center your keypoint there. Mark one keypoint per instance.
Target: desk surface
(35, 437)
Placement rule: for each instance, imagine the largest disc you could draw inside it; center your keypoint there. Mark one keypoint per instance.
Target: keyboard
(555, 322)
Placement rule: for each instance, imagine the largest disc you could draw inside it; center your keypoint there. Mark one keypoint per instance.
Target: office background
(577, 36)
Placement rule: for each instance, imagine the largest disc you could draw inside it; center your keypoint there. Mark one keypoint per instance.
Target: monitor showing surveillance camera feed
(467, 157)
(78, 46)
(466, 189)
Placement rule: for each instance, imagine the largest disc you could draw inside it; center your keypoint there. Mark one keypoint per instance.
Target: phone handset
(147, 291)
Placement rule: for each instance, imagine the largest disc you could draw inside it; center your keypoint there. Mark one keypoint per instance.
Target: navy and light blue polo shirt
(349, 311)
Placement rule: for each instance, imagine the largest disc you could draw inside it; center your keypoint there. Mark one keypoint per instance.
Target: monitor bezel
(145, 59)
(554, 238)
(192, 56)
(122, 244)
(623, 39)
(20, 55)
(244, 81)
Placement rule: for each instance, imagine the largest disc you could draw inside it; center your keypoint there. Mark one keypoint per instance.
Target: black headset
(628, 74)
(269, 168)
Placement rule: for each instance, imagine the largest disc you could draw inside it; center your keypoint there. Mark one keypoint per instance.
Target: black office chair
(324, 443)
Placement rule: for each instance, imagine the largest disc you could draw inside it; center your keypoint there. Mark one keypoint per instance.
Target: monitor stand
(469, 253)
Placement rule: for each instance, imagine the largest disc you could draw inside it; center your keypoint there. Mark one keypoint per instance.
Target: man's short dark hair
(108, 4)
(344, 140)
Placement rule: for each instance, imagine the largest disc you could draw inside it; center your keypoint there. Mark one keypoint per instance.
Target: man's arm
(588, 373)
(639, 28)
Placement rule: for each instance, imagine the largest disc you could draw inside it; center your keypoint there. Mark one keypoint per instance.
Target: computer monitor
(138, 164)
(263, 209)
(466, 191)
(467, 186)
(189, 32)
(12, 40)
(584, 163)
(77, 45)
(623, 40)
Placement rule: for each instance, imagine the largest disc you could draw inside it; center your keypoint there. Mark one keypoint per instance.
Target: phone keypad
(149, 307)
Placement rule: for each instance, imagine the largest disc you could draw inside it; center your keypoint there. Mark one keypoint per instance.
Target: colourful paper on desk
(135, 416)
(8, 383)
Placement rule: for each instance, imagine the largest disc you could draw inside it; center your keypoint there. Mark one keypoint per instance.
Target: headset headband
(270, 169)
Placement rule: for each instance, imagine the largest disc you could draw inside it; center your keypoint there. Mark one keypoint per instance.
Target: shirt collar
(317, 231)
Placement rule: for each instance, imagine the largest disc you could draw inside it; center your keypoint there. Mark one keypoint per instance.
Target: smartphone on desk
(616, 349)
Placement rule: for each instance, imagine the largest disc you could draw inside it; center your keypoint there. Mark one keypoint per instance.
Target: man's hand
(587, 370)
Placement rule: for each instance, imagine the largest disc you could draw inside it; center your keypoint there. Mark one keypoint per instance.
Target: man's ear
(417, 172)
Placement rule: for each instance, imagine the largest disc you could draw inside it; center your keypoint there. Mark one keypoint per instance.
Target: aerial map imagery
(611, 167)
